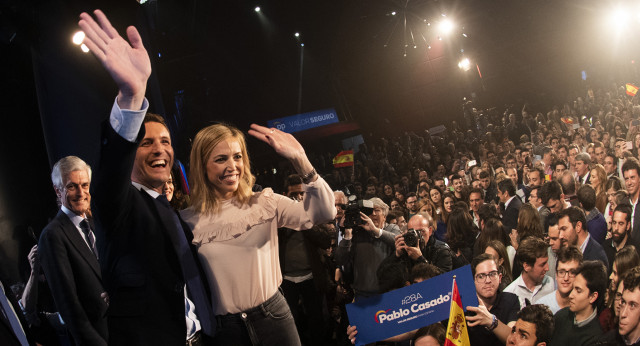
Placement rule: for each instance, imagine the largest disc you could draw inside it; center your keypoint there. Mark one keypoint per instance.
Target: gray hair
(584, 157)
(341, 195)
(377, 202)
(65, 166)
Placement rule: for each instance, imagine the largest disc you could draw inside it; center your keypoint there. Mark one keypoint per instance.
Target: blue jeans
(269, 323)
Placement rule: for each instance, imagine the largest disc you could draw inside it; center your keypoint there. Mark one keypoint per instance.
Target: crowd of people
(542, 207)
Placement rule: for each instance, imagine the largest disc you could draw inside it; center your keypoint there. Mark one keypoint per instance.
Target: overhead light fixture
(77, 38)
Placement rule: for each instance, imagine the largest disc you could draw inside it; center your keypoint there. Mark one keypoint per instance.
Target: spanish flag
(343, 159)
(631, 89)
(457, 334)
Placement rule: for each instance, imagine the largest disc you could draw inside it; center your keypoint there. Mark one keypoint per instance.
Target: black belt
(195, 340)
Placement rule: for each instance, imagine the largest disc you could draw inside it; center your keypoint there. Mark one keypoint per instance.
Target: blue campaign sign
(304, 121)
(412, 307)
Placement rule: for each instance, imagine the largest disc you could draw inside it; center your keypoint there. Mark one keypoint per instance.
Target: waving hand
(128, 64)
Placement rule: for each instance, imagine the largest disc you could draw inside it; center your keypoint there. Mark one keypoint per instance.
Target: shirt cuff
(127, 122)
(379, 233)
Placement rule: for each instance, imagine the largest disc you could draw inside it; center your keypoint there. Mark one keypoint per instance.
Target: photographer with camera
(367, 241)
(417, 245)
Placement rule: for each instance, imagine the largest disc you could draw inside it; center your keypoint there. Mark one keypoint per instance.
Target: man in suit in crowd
(69, 256)
(156, 292)
(512, 204)
(572, 224)
(631, 174)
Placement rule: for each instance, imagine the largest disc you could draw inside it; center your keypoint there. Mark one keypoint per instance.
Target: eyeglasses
(562, 273)
(482, 276)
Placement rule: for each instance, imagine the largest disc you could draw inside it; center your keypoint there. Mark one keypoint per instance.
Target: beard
(617, 237)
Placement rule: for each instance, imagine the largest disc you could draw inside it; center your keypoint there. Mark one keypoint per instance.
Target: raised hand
(285, 145)
(128, 64)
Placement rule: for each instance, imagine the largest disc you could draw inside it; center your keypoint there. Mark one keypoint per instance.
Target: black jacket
(73, 274)
(315, 239)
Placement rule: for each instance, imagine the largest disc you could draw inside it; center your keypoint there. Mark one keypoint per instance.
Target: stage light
(77, 38)
(257, 9)
(393, 13)
(446, 26)
(297, 34)
(84, 48)
(464, 64)
(301, 44)
(464, 35)
(619, 18)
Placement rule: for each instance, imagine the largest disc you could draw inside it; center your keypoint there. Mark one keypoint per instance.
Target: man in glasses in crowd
(490, 322)
(569, 259)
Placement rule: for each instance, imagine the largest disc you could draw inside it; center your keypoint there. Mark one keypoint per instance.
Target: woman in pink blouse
(235, 231)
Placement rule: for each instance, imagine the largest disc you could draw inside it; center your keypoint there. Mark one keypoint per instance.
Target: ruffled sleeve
(232, 220)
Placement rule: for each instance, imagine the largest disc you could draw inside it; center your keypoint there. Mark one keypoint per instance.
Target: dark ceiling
(222, 61)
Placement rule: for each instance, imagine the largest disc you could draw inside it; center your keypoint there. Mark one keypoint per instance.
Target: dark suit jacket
(73, 274)
(635, 232)
(510, 216)
(140, 268)
(594, 251)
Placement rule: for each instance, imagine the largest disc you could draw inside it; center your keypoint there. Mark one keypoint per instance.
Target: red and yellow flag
(343, 159)
(631, 89)
(457, 333)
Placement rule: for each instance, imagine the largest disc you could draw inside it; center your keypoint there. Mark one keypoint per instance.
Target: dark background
(222, 61)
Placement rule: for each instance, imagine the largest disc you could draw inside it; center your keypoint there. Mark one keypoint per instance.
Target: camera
(412, 237)
(352, 216)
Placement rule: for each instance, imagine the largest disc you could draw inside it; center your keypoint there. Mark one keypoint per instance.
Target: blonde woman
(598, 181)
(235, 231)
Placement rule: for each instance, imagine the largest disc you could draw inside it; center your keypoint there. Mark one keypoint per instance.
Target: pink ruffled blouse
(238, 245)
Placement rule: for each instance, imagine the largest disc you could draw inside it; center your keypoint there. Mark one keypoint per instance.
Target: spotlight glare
(393, 13)
(301, 44)
(297, 34)
(257, 9)
(84, 48)
(619, 19)
(464, 35)
(77, 38)
(446, 26)
(429, 47)
(465, 64)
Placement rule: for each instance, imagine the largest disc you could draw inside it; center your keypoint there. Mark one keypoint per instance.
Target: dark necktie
(89, 236)
(188, 264)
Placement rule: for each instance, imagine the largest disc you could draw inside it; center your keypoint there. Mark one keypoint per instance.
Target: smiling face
(154, 157)
(448, 204)
(75, 192)
(565, 280)
(225, 167)
(168, 188)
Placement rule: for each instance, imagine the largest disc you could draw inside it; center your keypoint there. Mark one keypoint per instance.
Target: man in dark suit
(157, 296)
(68, 256)
(631, 174)
(571, 224)
(512, 204)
